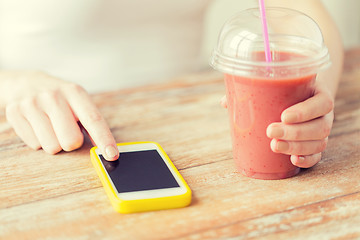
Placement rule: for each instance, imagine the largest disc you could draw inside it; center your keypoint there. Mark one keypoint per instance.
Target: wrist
(15, 85)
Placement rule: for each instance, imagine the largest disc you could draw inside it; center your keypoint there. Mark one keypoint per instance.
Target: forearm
(315, 9)
(331, 76)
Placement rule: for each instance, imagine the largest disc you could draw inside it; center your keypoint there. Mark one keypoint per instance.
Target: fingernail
(275, 132)
(282, 146)
(296, 160)
(289, 117)
(301, 158)
(111, 152)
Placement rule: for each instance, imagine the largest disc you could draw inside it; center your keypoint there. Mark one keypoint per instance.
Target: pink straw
(265, 31)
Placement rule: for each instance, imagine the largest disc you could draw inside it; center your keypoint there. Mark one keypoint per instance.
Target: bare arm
(315, 9)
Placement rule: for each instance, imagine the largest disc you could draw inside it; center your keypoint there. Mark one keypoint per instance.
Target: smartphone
(143, 178)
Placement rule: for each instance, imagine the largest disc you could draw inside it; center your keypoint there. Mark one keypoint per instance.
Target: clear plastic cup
(258, 91)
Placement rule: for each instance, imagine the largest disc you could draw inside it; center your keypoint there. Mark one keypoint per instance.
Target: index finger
(92, 120)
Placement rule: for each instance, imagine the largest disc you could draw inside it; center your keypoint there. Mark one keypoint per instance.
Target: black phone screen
(139, 171)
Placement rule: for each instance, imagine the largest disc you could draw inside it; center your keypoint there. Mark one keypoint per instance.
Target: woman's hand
(45, 111)
(304, 129)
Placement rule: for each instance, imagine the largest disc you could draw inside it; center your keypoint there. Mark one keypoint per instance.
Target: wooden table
(60, 197)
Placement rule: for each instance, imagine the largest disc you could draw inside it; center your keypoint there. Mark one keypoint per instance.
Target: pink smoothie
(254, 103)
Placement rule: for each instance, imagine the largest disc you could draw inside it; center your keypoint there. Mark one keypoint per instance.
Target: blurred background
(346, 14)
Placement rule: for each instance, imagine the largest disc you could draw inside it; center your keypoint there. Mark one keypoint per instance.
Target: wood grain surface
(59, 196)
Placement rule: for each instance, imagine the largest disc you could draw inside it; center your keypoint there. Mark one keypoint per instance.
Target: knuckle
(73, 88)
(75, 143)
(330, 104)
(326, 127)
(51, 96)
(326, 131)
(95, 116)
(322, 145)
(297, 148)
(27, 103)
(291, 147)
(11, 111)
(296, 134)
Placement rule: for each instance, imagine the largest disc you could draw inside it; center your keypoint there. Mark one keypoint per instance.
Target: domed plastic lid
(296, 45)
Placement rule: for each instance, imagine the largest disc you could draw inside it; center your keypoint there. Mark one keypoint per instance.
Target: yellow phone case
(140, 205)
